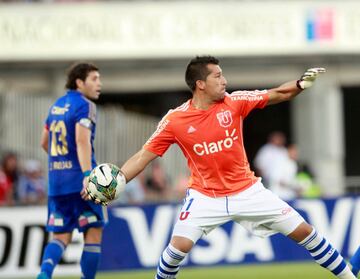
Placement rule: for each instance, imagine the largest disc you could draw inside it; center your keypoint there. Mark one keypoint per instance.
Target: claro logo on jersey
(206, 148)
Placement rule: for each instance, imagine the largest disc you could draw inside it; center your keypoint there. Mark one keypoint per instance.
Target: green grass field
(278, 271)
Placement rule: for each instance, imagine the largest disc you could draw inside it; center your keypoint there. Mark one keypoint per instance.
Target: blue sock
(169, 263)
(52, 255)
(326, 255)
(90, 260)
(355, 262)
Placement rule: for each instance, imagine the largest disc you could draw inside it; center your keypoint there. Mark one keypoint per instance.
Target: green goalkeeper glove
(308, 78)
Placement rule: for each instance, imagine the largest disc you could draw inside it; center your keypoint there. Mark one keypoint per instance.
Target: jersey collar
(71, 91)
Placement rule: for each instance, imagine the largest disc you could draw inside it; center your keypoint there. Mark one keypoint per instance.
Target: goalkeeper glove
(308, 78)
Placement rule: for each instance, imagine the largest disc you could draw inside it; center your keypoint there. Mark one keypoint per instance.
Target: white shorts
(257, 209)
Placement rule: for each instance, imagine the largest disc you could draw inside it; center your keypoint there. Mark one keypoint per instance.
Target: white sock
(327, 256)
(169, 263)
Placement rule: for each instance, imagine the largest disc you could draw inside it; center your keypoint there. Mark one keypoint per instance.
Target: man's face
(215, 83)
(91, 87)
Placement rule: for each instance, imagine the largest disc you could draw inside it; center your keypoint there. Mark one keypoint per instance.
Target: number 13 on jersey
(59, 145)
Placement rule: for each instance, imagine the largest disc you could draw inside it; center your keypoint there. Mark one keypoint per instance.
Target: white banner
(177, 29)
(22, 237)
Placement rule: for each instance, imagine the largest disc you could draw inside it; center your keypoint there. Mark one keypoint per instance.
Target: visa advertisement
(141, 233)
(136, 236)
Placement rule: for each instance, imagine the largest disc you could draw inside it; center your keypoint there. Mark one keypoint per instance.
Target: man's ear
(79, 83)
(200, 84)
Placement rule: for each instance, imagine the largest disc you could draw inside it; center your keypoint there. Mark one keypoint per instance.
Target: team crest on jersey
(224, 118)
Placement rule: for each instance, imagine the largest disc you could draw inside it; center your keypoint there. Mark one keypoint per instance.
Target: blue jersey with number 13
(65, 174)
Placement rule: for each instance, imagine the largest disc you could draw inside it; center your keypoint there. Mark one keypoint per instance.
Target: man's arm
(289, 90)
(129, 170)
(284, 92)
(137, 163)
(44, 139)
(83, 147)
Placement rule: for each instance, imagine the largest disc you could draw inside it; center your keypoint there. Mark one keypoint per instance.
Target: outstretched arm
(284, 92)
(289, 90)
(137, 163)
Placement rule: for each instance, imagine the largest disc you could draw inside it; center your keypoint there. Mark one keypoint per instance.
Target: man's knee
(93, 235)
(183, 244)
(301, 232)
(65, 238)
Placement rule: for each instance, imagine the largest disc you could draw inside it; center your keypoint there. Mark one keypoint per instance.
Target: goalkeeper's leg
(171, 258)
(322, 251)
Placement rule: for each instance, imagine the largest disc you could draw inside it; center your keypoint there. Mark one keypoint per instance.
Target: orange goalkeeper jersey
(212, 142)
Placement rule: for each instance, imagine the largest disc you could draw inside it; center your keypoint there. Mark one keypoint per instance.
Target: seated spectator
(291, 179)
(310, 189)
(269, 155)
(156, 184)
(6, 190)
(32, 185)
(8, 179)
(283, 180)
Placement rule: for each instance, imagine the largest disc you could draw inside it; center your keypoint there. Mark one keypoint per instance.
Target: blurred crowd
(21, 185)
(276, 162)
(25, 183)
(154, 185)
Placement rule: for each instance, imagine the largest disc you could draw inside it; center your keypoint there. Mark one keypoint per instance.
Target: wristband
(122, 174)
(298, 85)
(86, 173)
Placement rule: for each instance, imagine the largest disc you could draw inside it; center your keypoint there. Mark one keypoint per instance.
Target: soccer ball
(106, 182)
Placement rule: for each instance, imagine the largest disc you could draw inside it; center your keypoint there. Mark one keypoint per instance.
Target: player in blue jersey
(68, 139)
(355, 262)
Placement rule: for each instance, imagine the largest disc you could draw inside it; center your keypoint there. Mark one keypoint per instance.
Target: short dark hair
(78, 71)
(197, 70)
